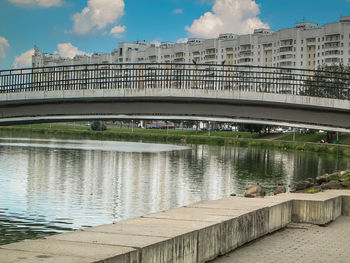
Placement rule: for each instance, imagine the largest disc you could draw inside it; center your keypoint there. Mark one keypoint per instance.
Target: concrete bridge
(277, 96)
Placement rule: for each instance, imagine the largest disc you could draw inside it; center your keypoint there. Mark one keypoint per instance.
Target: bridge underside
(55, 110)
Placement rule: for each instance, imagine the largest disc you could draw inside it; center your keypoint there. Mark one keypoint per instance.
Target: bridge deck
(241, 93)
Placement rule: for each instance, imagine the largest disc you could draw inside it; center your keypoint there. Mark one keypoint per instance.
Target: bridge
(223, 93)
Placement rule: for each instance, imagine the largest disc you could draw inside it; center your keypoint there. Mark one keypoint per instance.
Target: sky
(70, 28)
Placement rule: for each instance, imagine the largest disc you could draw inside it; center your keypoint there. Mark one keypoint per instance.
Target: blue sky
(86, 26)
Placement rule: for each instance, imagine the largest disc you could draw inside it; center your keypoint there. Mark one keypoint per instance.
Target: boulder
(332, 185)
(254, 191)
(346, 184)
(322, 178)
(303, 185)
(280, 190)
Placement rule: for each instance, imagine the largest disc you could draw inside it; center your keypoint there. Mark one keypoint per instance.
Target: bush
(98, 126)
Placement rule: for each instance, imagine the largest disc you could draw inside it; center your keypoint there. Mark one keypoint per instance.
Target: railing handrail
(172, 64)
(330, 84)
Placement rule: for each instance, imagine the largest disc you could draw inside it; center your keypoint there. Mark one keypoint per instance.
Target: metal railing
(315, 83)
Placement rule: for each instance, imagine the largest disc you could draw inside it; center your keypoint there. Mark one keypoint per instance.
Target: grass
(314, 190)
(302, 137)
(62, 131)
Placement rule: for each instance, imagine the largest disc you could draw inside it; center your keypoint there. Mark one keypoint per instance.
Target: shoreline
(178, 137)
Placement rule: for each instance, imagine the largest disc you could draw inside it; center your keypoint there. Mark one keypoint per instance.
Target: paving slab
(152, 227)
(302, 243)
(238, 203)
(86, 251)
(113, 239)
(198, 214)
(13, 256)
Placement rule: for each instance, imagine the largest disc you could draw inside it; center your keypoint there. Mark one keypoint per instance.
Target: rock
(254, 191)
(346, 184)
(303, 185)
(280, 190)
(342, 173)
(322, 178)
(332, 185)
(334, 176)
(311, 180)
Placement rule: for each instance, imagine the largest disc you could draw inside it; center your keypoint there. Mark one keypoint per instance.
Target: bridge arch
(175, 91)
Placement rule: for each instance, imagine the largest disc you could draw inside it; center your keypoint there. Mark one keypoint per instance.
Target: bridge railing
(178, 76)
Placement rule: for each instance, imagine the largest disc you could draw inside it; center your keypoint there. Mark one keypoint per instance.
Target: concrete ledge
(346, 206)
(196, 233)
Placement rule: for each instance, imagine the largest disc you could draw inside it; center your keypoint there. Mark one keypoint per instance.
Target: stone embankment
(195, 233)
(337, 180)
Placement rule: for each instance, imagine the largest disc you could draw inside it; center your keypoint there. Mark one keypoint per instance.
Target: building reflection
(74, 187)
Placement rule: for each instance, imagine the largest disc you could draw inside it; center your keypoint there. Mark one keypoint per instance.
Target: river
(53, 186)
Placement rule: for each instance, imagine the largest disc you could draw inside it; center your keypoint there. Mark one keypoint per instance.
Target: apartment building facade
(305, 46)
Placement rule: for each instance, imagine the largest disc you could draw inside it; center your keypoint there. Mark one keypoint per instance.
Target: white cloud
(117, 31)
(228, 16)
(24, 60)
(4, 45)
(177, 11)
(67, 50)
(97, 15)
(182, 40)
(37, 3)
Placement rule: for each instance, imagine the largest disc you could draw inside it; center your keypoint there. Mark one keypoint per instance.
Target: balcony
(210, 51)
(179, 54)
(209, 57)
(332, 60)
(286, 49)
(246, 47)
(331, 45)
(332, 38)
(285, 57)
(245, 54)
(286, 64)
(245, 60)
(332, 52)
(178, 60)
(287, 43)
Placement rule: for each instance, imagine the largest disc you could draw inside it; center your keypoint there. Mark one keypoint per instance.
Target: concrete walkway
(196, 233)
(298, 243)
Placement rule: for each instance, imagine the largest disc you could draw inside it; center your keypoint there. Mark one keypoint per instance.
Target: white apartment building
(305, 46)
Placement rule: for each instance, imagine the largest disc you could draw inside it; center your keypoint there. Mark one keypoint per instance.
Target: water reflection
(53, 186)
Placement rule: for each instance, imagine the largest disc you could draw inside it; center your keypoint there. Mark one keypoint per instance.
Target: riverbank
(334, 181)
(300, 142)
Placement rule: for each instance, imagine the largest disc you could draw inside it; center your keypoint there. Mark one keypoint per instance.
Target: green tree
(98, 126)
(329, 82)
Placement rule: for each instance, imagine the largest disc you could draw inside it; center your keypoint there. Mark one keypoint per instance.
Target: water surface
(50, 186)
